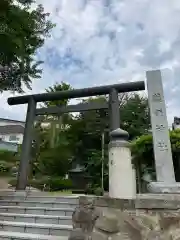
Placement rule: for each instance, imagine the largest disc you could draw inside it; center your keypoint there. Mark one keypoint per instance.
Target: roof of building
(177, 120)
(11, 129)
(11, 120)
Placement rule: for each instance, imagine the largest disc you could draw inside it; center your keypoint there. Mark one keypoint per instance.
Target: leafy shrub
(142, 150)
(175, 142)
(98, 191)
(8, 160)
(143, 154)
(55, 161)
(12, 182)
(40, 184)
(47, 184)
(89, 189)
(3, 167)
(94, 190)
(8, 156)
(56, 184)
(142, 147)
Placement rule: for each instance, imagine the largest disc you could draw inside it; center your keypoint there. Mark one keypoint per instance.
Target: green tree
(50, 145)
(84, 137)
(55, 162)
(57, 123)
(22, 32)
(88, 126)
(86, 129)
(134, 115)
(58, 87)
(143, 154)
(50, 160)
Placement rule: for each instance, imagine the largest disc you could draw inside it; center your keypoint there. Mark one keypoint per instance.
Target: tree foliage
(48, 160)
(58, 87)
(143, 154)
(57, 122)
(85, 133)
(51, 153)
(134, 114)
(55, 162)
(8, 160)
(22, 32)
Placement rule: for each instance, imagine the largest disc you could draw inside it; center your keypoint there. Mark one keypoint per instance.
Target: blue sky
(99, 42)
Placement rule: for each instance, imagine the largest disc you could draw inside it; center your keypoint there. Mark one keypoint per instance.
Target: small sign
(159, 112)
(157, 97)
(160, 127)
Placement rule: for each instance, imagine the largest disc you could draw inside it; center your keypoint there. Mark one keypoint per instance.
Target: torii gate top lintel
(78, 93)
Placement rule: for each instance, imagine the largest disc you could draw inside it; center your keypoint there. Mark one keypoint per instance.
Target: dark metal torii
(32, 100)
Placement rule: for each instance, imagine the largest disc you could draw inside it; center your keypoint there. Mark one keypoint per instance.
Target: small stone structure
(120, 166)
(148, 217)
(79, 178)
(83, 219)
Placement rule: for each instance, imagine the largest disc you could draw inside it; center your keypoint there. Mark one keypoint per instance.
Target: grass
(64, 192)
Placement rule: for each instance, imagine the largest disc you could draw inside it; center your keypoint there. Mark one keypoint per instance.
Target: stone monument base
(162, 187)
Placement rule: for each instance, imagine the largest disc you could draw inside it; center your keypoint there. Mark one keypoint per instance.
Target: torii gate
(32, 112)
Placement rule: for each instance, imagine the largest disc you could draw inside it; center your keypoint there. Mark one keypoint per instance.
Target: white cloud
(108, 41)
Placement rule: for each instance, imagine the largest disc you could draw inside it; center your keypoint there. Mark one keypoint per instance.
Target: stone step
(27, 203)
(34, 218)
(11, 192)
(28, 236)
(37, 210)
(39, 198)
(36, 228)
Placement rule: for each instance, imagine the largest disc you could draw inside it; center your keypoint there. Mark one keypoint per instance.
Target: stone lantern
(79, 179)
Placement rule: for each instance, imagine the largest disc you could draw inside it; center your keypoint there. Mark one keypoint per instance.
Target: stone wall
(148, 217)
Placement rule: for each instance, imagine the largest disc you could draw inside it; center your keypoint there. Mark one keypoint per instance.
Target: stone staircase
(35, 215)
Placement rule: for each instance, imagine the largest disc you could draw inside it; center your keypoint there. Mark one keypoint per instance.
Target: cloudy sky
(99, 42)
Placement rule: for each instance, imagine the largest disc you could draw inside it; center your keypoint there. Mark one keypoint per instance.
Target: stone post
(162, 147)
(122, 181)
(160, 131)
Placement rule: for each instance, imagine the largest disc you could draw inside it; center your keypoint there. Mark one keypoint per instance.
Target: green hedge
(47, 184)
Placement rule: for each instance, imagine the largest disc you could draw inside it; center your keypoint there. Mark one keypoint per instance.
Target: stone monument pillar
(162, 147)
(122, 180)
